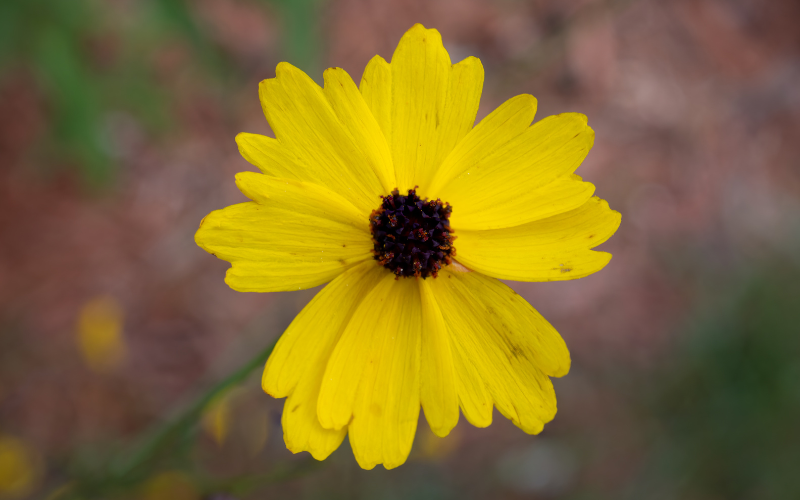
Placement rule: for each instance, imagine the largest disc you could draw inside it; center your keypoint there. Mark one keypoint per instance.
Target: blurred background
(117, 125)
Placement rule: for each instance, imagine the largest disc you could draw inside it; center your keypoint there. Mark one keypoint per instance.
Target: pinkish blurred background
(117, 125)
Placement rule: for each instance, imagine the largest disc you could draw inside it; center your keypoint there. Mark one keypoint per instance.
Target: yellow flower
(18, 467)
(216, 419)
(171, 485)
(251, 427)
(100, 338)
(405, 320)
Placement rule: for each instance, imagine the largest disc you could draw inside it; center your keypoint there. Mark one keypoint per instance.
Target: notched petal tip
(265, 382)
(366, 465)
(578, 117)
(264, 84)
(603, 256)
(419, 33)
(236, 283)
(441, 431)
(240, 138)
(532, 429)
(480, 424)
(616, 215)
(334, 72)
(253, 185)
(563, 371)
(284, 68)
(590, 135)
(418, 27)
(205, 229)
(244, 177)
(319, 455)
(523, 99)
(393, 465)
(202, 233)
(470, 61)
(376, 60)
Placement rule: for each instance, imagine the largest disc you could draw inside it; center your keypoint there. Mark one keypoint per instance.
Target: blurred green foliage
(90, 59)
(87, 64)
(301, 37)
(727, 409)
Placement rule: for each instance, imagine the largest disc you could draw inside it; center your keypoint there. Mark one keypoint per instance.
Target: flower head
(19, 467)
(367, 188)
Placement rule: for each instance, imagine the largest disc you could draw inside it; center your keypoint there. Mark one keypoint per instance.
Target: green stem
(164, 435)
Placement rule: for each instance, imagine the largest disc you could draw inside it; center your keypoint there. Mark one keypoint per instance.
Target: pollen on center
(412, 236)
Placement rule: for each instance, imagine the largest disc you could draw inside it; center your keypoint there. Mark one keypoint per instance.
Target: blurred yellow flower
(171, 485)
(366, 188)
(100, 339)
(216, 418)
(253, 425)
(18, 468)
(433, 447)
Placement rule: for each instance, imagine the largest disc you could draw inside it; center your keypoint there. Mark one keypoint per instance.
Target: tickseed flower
(18, 467)
(100, 338)
(386, 192)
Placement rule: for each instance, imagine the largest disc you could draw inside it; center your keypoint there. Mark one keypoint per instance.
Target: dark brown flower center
(412, 236)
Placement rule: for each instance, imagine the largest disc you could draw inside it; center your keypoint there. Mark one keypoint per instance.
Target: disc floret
(412, 236)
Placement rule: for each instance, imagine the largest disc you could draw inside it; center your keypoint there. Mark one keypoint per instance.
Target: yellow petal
(473, 397)
(386, 408)
(294, 235)
(437, 374)
(297, 364)
(301, 197)
(463, 98)
(481, 318)
(508, 121)
(319, 324)
(349, 105)
(301, 429)
(271, 157)
(376, 87)
(495, 210)
(524, 331)
(372, 378)
(433, 104)
(514, 183)
(551, 249)
(305, 123)
(379, 311)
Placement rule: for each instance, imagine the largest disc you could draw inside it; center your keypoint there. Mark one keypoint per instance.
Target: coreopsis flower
(19, 467)
(386, 192)
(99, 334)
